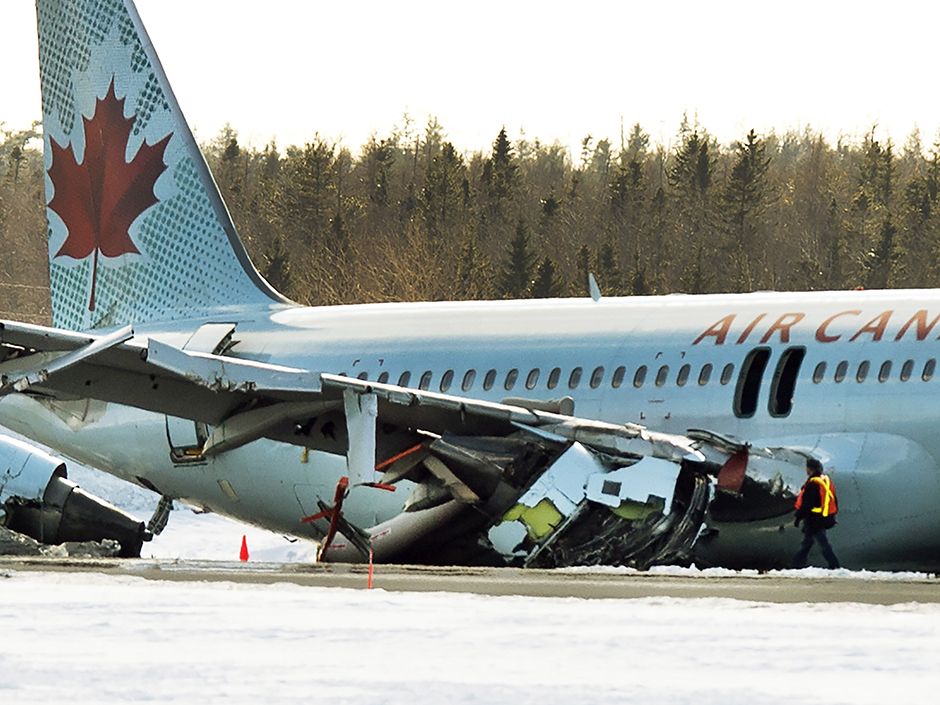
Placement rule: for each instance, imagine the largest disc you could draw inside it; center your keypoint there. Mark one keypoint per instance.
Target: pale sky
(288, 69)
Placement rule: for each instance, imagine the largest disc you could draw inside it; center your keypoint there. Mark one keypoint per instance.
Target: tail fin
(137, 229)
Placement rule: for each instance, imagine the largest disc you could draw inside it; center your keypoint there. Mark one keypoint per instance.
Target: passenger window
(425, 380)
(553, 377)
(929, 370)
(906, 369)
(842, 370)
(662, 375)
(784, 382)
(819, 374)
(862, 372)
(885, 371)
(405, 379)
(597, 377)
(749, 382)
(705, 374)
(617, 379)
(727, 373)
(640, 376)
(468, 380)
(489, 380)
(683, 375)
(532, 379)
(362, 375)
(511, 378)
(575, 379)
(383, 378)
(447, 380)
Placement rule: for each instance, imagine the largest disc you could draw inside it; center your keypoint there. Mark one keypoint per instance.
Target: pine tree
(871, 210)
(474, 279)
(743, 202)
(500, 173)
(307, 192)
(546, 284)
(442, 197)
(880, 259)
(277, 266)
(627, 198)
(516, 276)
(375, 177)
(691, 178)
(583, 263)
(609, 274)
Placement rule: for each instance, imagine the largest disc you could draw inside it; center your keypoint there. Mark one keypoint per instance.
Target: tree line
(411, 217)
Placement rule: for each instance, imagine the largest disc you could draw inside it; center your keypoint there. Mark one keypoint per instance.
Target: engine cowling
(37, 499)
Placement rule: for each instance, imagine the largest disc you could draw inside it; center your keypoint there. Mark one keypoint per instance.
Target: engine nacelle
(38, 499)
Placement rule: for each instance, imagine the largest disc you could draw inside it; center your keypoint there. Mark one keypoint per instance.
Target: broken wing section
(481, 481)
(545, 490)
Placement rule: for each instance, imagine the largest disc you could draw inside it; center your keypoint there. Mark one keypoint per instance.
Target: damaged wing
(492, 483)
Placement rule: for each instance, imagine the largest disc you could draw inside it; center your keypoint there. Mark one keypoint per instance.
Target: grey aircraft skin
(549, 432)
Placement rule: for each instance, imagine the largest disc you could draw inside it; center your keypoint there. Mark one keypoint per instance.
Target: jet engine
(37, 499)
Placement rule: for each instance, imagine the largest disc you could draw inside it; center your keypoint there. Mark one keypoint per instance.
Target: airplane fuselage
(764, 367)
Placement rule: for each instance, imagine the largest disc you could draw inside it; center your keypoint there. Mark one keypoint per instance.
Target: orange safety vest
(827, 496)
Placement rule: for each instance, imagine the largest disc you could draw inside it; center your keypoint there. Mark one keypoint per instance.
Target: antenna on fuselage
(593, 288)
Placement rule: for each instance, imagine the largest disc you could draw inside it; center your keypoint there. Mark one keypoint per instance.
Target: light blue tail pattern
(137, 229)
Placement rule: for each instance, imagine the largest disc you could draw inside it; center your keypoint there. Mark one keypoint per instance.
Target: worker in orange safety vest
(816, 508)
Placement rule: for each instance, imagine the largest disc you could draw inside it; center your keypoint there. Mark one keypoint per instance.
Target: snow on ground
(85, 638)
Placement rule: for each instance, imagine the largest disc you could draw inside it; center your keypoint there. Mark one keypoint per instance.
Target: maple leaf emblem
(100, 198)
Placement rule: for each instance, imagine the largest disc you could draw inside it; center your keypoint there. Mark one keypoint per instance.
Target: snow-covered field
(84, 638)
(87, 638)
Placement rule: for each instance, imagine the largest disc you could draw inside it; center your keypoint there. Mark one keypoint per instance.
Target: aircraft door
(186, 438)
(749, 384)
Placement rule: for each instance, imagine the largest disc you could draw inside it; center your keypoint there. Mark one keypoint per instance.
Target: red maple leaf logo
(100, 198)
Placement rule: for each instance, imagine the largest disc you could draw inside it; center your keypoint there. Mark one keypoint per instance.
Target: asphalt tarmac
(511, 581)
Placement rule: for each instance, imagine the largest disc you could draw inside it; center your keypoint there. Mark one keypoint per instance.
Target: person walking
(816, 508)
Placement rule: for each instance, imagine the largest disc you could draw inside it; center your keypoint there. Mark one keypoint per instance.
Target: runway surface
(813, 586)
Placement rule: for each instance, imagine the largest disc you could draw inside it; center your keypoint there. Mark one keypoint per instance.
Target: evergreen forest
(410, 217)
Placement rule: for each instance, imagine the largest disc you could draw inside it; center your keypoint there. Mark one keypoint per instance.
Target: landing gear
(161, 515)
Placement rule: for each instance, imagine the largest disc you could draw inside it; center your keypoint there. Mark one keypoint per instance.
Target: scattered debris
(13, 543)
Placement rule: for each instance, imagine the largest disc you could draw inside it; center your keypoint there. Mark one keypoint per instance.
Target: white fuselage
(621, 360)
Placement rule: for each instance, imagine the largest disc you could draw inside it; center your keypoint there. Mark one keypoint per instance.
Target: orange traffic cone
(243, 554)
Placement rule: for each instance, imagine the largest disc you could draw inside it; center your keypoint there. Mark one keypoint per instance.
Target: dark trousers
(819, 536)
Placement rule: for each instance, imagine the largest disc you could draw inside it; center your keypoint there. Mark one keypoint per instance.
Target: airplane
(541, 433)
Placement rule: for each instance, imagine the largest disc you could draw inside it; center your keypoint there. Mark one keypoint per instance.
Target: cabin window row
(864, 369)
(554, 378)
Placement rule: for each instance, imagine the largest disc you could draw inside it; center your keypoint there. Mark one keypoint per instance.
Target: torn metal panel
(563, 484)
(451, 482)
(626, 440)
(650, 477)
(732, 473)
(228, 374)
(597, 536)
